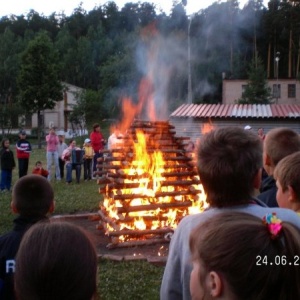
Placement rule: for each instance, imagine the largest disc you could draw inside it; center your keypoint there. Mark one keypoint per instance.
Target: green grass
(116, 280)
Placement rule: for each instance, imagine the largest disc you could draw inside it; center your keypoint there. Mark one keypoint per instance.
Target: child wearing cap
(87, 159)
(23, 148)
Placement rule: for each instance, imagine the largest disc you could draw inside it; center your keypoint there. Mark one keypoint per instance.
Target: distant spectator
(87, 159)
(8, 163)
(260, 133)
(39, 170)
(60, 149)
(56, 261)
(73, 156)
(97, 142)
(52, 153)
(115, 139)
(23, 148)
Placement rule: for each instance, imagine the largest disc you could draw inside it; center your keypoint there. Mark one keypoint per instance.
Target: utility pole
(190, 92)
(277, 74)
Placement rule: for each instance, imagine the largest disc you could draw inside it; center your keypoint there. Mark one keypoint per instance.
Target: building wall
(232, 90)
(57, 117)
(194, 128)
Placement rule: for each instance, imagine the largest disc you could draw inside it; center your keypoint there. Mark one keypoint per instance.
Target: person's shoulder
(191, 221)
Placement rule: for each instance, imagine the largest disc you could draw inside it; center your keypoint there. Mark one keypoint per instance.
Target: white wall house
(284, 91)
(58, 116)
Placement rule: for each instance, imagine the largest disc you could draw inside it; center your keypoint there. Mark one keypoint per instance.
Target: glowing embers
(149, 184)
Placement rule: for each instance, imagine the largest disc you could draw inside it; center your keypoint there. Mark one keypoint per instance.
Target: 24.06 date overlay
(278, 260)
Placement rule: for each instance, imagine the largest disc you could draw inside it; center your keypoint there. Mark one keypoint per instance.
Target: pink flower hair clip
(274, 224)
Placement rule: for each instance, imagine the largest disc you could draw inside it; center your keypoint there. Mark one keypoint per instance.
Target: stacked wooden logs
(178, 187)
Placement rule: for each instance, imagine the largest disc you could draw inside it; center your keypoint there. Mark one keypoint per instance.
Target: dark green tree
(39, 81)
(257, 90)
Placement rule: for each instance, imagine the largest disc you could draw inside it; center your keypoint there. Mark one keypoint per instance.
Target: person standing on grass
(7, 161)
(23, 148)
(87, 159)
(60, 149)
(97, 142)
(52, 153)
(32, 200)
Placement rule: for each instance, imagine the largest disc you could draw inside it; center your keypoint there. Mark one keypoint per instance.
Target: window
(291, 90)
(244, 86)
(276, 91)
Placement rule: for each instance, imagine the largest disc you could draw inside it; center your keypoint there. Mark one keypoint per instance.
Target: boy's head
(287, 175)
(229, 165)
(22, 134)
(38, 164)
(32, 196)
(279, 143)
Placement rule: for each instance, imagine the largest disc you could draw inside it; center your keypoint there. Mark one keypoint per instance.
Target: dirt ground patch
(153, 253)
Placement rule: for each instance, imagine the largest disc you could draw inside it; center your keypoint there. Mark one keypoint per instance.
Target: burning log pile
(149, 183)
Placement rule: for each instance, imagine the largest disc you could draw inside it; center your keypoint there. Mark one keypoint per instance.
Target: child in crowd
(7, 161)
(87, 159)
(60, 149)
(23, 148)
(56, 261)
(239, 256)
(39, 170)
(52, 153)
(229, 162)
(32, 200)
(279, 143)
(287, 176)
(72, 161)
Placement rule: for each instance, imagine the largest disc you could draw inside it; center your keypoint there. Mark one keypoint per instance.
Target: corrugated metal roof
(237, 111)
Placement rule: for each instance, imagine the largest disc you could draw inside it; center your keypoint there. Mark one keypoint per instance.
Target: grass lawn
(116, 280)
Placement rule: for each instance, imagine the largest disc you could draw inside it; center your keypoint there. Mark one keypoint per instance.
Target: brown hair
(229, 158)
(96, 125)
(287, 172)
(233, 244)
(32, 196)
(280, 142)
(56, 261)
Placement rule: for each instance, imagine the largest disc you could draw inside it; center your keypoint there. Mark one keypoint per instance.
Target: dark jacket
(9, 245)
(268, 192)
(7, 159)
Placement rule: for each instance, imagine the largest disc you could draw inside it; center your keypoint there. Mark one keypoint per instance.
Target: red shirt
(97, 141)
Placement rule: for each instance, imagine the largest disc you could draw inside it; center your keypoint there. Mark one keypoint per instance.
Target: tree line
(109, 50)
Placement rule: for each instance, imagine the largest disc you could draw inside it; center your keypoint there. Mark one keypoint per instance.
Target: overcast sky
(47, 7)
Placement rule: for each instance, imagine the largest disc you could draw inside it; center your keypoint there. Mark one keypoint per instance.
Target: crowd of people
(245, 245)
(65, 158)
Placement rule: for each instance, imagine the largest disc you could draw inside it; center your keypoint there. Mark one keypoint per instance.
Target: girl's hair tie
(274, 224)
